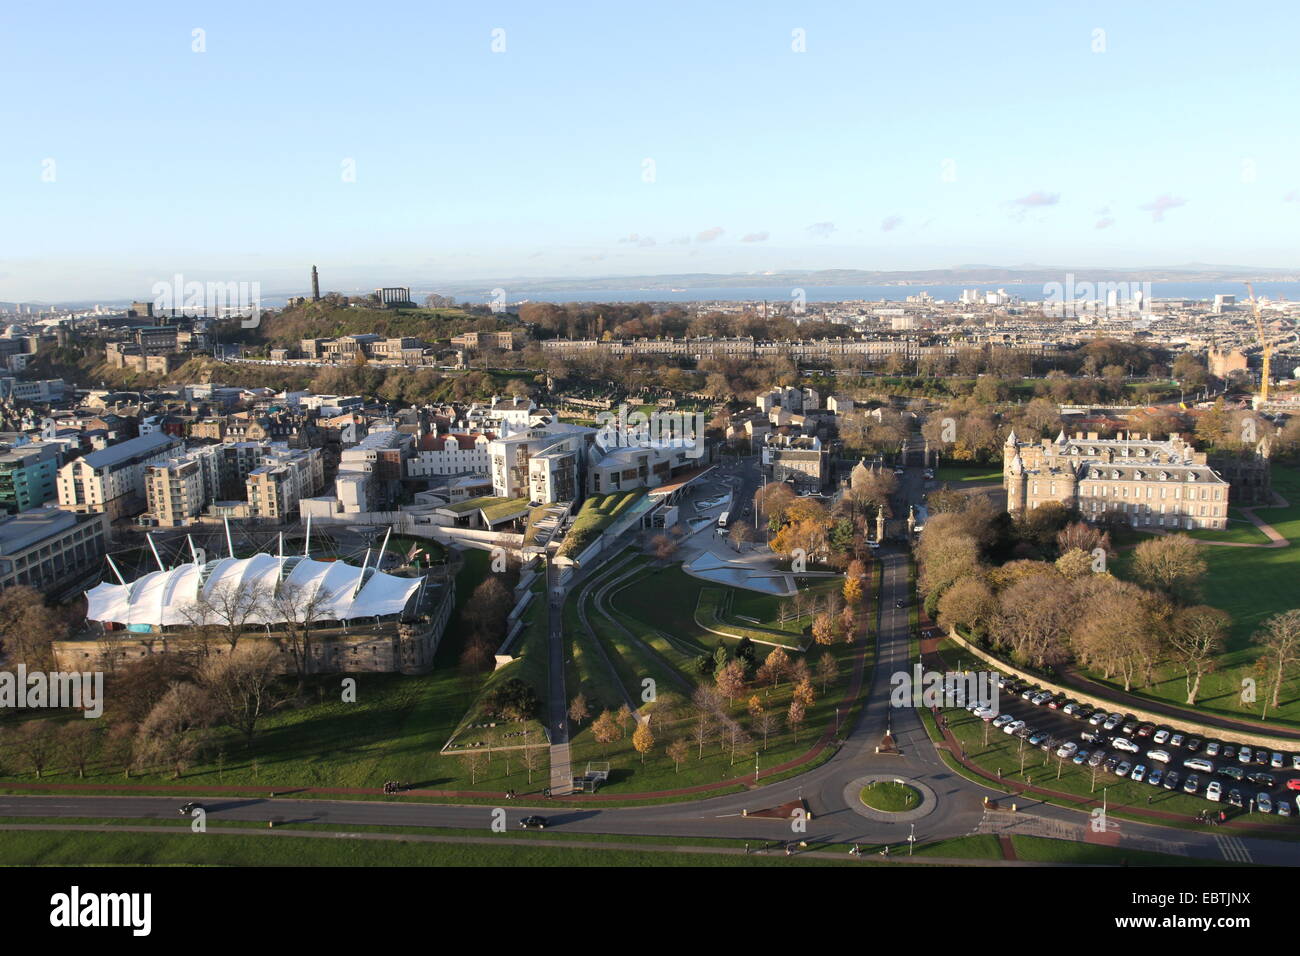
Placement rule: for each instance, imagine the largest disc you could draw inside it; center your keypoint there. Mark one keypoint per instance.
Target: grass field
(890, 797)
(1250, 584)
(963, 473)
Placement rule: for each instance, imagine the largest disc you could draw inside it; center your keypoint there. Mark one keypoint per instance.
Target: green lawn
(961, 473)
(1240, 530)
(596, 514)
(890, 797)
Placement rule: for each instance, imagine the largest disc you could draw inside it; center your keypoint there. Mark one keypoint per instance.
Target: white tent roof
(163, 597)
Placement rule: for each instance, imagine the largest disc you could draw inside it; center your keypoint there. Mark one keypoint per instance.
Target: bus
(722, 521)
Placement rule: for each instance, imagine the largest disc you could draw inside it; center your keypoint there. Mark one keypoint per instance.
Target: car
(1293, 783)
(1160, 756)
(1081, 757)
(1112, 721)
(1192, 783)
(1037, 738)
(1212, 748)
(1171, 780)
(1067, 750)
(1146, 730)
(1057, 702)
(1283, 808)
(533, 823)
(1129, 727)
(1260, 779)
(1002, 720)
(1123, 769)
(1097, 757)
(188, 808)
(1295, 761)
(1260, 758)
(1124, 744)
(1243, 755)
(1194, 744)
(1098, 718)
(1155, 776)
(1029, 693)
(900, 604)
(1231, 772)
(1263, 802)
(1161, 735)
(1176, 740)
(1023, 732)
(1040, 699)
(1071, 707)
(1234, 798)
(1082, 712)
(985, 713)
(1093, 737)
(1276, 761)
(1012, 727)
(1199, 763)
(1229, 751)
(1214, 791)
(1110, 764)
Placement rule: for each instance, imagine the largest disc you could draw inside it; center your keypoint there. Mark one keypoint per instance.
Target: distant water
(1028, 291)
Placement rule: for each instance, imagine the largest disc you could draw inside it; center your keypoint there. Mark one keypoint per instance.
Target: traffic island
(886, 798)
(889, 796)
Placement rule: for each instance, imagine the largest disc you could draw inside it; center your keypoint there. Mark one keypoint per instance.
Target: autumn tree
(730, 680)
(828, 670)
(173, 734)
(796, 716)
(605, 730)
(823, 629)
(774, 667)
(677, 752)
(1171, 564)
(578, 711)
(27, 627)
(643, 740)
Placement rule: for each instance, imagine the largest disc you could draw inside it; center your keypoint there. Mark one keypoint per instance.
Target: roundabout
(888, 798)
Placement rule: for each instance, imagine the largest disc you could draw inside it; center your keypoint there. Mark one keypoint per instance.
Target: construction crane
(1266, 347)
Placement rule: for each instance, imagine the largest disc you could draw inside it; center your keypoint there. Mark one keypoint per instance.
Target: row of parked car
(1155, 751)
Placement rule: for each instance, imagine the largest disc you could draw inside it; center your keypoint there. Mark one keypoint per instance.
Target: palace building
(1152, 484)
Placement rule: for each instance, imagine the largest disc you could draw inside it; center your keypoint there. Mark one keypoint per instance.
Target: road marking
(1233, 849)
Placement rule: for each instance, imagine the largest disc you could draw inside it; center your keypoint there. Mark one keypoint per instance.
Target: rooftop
(22, 530)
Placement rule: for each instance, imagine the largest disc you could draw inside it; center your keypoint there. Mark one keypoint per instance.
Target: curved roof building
(338, 590)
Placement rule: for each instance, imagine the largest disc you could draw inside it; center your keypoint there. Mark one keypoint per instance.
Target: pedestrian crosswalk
(1233, 849)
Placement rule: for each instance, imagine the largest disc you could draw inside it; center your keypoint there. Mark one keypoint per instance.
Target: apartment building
(28, 475)
(47, 547)
(111, 481)
(451, 454)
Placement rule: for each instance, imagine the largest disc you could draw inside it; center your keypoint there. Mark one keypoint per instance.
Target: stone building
(1151, 484)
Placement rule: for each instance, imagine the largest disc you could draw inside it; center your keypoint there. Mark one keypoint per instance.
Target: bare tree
(242, 686)
(78, 741)
(37, 743)
(296, 609)
(1280, 639)
(172, 735)
(1196, 640)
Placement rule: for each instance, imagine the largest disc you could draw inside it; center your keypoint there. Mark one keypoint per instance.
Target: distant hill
(325, 320)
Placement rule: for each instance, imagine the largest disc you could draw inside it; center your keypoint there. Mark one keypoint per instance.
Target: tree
(828, 670)
(852, 591)
(969, 604)
(1034, 618)
(231, 606)
(767, 723)
(173, 733)
(532, 759)
(739, 535)
(663, 547)
(796, 716)
(605, 730)
(624, 717)
(578, 711)
(474, 762)
(78, 740)
(298, 608)
(730, 680)
(643, 740)
(823, 629)
(241, 686)
(37, 742)
(1280, 639)
(1171, 564)
(27, 627)
(774, 667)
(1195, 642)
(677, 752)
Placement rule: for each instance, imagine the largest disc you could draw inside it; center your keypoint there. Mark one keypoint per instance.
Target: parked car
(1263, 802)
(1139, 772)
(1194, 744)
(1030, 693)
(1146, 730)
(1295, 761)
(1057, 702)
(1260, 779)
(1110, 764)
(1124, 744)
(1012, 727)
(1212, 748)
(1093, 736)
(1098, 718)
(1160, 756)
(1234, 798)
(1002, 720)
(985, 713)
(1070, 708)
(1023, 732)
(1232, 773)
(1112, 721)
(1067, 750)
(1283, 807)
(1081, 757)
(1214, 791)
(1123, 768)
(1097, 757)
(1039, 700)
(1082, 712)
(1171, 780)
(1276, 762)
(1192, 783)
(1293, 783)
(1199, 763)
(1161, 735)
(1243, 755)
(1176, 740)
(1129, 727)
(1229, 751)
(1155, 776)
(1037, 738)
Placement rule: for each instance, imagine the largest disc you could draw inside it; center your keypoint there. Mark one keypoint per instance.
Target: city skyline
(227, 145)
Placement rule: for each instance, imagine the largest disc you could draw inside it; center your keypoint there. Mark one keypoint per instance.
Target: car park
(1263, 802)
(1214, 791)
(1123, 768)
(1161, 735)
(1067, 750)
(1160, 756)
(1199, 763)
(1192, 783)
(1171, 780)
(1234, 798)
(1139, 773)
(1124, 744)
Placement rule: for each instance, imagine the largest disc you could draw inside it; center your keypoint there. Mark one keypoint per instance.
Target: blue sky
(1176, 144)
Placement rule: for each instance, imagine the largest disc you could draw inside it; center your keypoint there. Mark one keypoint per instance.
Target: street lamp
(911, 839)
